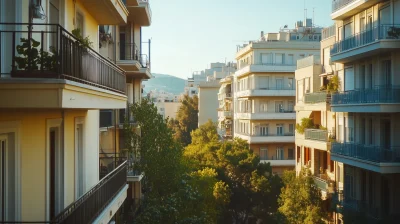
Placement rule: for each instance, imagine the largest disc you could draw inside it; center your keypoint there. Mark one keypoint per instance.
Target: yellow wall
(32, 139)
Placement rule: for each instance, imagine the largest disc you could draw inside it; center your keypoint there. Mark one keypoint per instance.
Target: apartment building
(313, 98)
(53, 84)
(225, 109)
(264, 92)
(124, 45)
(367, 106)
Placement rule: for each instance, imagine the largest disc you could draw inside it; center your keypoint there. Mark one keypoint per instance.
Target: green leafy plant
(333, 84)
(84, 41)
(305, 124)
(29, 50)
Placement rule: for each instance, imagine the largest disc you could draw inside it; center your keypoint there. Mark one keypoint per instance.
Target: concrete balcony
(318, 139)
(318, 101)
(259, 68)
(374, 158)
(107, 12)
(252, 139)
(279, 162)
(380, 39)
(266, 116)
(266, 92)
(139, 12)
(135, 64)
(325, 185)
(384, 99)
(78, 78)
(342, 9)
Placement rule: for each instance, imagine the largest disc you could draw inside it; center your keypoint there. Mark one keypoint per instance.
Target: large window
(279, 59)
(263, 82)
(279, 129)
(279, 106)
(7, 177)
(263, 154)
(266, 58)
(279, 153)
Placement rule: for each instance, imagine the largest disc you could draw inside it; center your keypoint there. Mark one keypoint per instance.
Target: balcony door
(279, 129)
(386, 73)
(349, 78)
(385, 133)
(263, 154)
(7, 178)
(278, 106)
(279, 153)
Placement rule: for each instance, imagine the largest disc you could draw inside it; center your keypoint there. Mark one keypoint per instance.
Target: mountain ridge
(165, 82)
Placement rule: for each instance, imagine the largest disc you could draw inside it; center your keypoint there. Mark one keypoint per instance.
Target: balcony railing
(316, 134)
(363, 207)
(266, 134)
(129, 51)
(380, 94)
(49, 51)
(275, 158)
(308, 61)
(328, 32)
(318, 97)
(90, 205)
(270, 88)
(375, 154)
(381, 32)
(108, 162)
(338, 4)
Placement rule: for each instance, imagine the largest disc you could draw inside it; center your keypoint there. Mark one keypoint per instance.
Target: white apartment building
(368, 105)
(264, 92)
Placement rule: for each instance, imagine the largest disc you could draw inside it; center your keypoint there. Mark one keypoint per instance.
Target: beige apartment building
(264, 92)
(367, 106)
(313, 147)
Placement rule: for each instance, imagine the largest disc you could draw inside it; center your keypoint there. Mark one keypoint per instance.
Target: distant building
(225, 108)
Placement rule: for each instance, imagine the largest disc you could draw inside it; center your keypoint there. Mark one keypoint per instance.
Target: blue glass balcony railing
(381, 32)
(375, 154)
(381, 94)
(316, 134)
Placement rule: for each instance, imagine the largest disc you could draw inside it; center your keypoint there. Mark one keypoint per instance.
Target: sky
(187, 35)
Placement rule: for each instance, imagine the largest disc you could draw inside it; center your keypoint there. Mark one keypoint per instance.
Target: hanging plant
(105, 38)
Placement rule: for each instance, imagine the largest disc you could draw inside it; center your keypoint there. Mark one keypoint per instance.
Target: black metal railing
(381, 32)
(108, 162)
(129, 51)
(91, 204)
(49, 51)
(379, 94)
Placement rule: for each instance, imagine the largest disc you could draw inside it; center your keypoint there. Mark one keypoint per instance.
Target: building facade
(367, 105)
(225, 109)
(264, 92)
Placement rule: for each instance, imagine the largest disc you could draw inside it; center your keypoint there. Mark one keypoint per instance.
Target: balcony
(133, 62)
(56, 70)
(269, 91)
(256, 138)
(362, 207)
(100, 203)
(107, 12)
(342, 9)
(379, 39)
(318, 97)
(139, 12)
(324, 184)
(317, 139)
(286, 115)
(308, 61)
(379, 99)
(329, 32)
(227, 113)
(316, 135)
(374, 158)
(259, 68)
(273, 161)
(108, 162)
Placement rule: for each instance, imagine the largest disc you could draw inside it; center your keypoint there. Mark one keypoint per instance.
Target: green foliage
(29, 50)
(300, 200)
(186, 120)
(333, 84)
(305, 123)
(84, 41)
(394, 32)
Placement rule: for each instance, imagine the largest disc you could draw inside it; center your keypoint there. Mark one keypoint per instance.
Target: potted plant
(105, 36)
(30, 59)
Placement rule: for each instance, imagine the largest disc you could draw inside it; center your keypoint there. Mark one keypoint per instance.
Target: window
(290, 59)
(263, 106)
(263, 154)
(79, 23)
(348, 30)
(266, 58)
(290, 106)
(279, 83)
(290, 83)
(279, 59)
(263, 130)
(263, 82)
(291, 128)
(279, 107)
(279, 153)
(279, 129)
(290, 153)
(79, 160)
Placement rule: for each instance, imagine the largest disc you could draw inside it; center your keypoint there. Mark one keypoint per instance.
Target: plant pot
(34, 74)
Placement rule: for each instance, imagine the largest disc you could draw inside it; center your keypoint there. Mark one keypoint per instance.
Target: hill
(165, 82)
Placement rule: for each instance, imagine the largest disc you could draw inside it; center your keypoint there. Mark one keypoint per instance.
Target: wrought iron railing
(379, 94)
(316, 134)
(375, 154)
(380, 32)
(338, 4)
(318, 97)
(50, 51)
(87, 208)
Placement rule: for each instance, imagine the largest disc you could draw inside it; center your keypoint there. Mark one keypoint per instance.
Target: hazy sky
(187, 35)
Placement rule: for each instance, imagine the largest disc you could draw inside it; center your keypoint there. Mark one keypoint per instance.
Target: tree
(300, 200)
(186, 120)
(253, 189)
